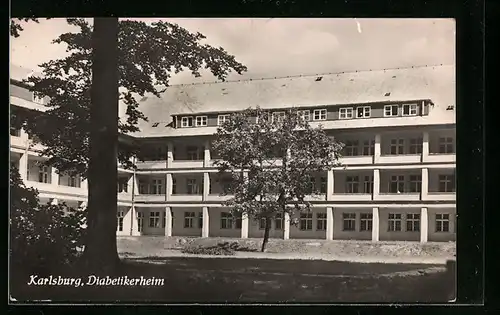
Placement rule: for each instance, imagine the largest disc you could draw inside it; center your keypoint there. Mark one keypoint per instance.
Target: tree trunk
(266, 234)
(100, 255)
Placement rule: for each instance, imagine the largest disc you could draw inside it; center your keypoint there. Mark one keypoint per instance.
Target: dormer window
(363, 112)
(409, 109)
(187, 122)
(38, 100)
(305, 115)
(319, 114)
(345, 113)
(390, 110)
(277, 116)
(201, 121)
(222, 119)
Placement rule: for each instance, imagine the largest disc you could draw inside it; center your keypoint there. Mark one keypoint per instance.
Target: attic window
(450, 107)
(319, 78)
(394, 77)
(387, 94)
(155, 124)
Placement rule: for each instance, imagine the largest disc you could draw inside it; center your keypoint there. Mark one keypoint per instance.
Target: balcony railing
(186, 197)
(217, 197)
(187, 164)
(357, 160)
(448, 196)
(384, 196)
(149, 198)
(398, 159)
(351, 197)
(151, 164)
(440, 158)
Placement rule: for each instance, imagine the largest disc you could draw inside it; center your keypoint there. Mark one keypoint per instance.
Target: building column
(134, 229)
(376, 149)
(54, 176)
(424, 225)
(132, 185)
(84, 184)
(170, 153)
(376, 184)
(168, 221)
(330, 185)
(168, 186)
(205, 229)
(375, 225)
(244, 225)
(206, 185)
(424, 189)
(286, 226)
(206, 156)
(329, 223)
(425, 146)
(23, 167)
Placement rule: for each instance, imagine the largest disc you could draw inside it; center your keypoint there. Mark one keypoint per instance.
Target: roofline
(305, 106)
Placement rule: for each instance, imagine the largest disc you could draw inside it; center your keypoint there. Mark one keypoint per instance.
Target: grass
(257, 280)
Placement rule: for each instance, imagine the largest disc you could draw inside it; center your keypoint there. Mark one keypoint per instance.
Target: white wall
(181, 182)
(385, 178)
(385, 140)
(295, 231)
(214, 226)
(441, 236)
(385, 235)
(255, 232)
(178, 228)
(434, 177)
(339, 180)
(434, 138)
(338, 225)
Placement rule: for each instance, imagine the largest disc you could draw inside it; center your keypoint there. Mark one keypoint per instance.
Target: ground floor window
(226, 220)
(140, 221)
(262, 223)
(278, 222)
(154, 219)
(349, 221)
(189, 220)
(395, 222)
(120, 217)
(412, 222)
(366, 222)
(321, 221)
(442, 222)
(306, 222)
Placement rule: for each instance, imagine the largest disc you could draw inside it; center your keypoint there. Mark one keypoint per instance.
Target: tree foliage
(272, 160)
(43, 237)
(148, 56)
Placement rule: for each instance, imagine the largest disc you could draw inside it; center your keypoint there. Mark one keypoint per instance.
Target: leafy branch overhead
(148, 56)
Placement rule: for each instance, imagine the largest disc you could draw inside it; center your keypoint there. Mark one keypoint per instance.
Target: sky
(276, 47)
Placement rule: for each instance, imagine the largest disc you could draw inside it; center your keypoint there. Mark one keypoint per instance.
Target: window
(39, 100)
(394, 222)
(277, 116)
(442, 222)
(15, 132)
(345, 113)
(351, 148)
(140, 221)
(226, 184)
(366, 222)
(238, 222)
(415, 183)
(186, 122)
(446, 183)
(278, 221)
(306, 221)
(363, 112)
(323, 187)
(157, 187)
(226, 220)
(143, 188)
(43, 174)
(174, 186)
(312, 184)
(122, 185)
(201, 121)
(368, 184)
(390, 110)
(192, 186)
(154, 219)
(74, 181)
(189, 220)
(159, 153)
(397, 146)
(446, 145)
(368, 147)
(319, 114)
(416, 146)
(321, 221)
(120, 216)
(222, 119)
(262, 223)
(193, 153)
(409, 109)
(349, 221)
(352, 184)
(305, 115)
(200, 220)
(164, 220)
(397, 184)
(412, 222)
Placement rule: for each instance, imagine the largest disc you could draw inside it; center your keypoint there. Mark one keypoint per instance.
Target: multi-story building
(397, 182)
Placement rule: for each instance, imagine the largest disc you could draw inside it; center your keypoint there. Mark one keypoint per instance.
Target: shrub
(42, 237)
(222, 249)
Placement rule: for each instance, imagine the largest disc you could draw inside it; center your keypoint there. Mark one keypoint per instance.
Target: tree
(81, 105)
(272, 160)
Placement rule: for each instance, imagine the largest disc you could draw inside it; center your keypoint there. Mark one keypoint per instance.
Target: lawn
(223, 280)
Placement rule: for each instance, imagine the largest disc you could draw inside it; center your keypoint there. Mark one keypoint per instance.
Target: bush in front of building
(43, 237)
(223, 248)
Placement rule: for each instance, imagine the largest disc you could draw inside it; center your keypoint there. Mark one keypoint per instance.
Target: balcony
(440, 158)
(318, 197)
(397, 197)
(399, 159)
(151, 165)
(351, 197)
(124, 196)
(217, 197)
(187, 164)
(149, 198)
(441, 196)
(186, 197)
(57, 189)
(356, 160)
(17, 142)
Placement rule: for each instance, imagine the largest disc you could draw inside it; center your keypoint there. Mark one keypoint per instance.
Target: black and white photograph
(232, 160)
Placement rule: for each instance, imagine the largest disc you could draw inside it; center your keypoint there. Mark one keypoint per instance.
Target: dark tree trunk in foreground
(100, 254)
(266, 234)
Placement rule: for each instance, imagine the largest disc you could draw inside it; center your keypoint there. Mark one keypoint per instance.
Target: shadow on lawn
(223, 280)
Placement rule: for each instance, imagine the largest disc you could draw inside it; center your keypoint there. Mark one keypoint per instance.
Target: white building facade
(398, 183)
